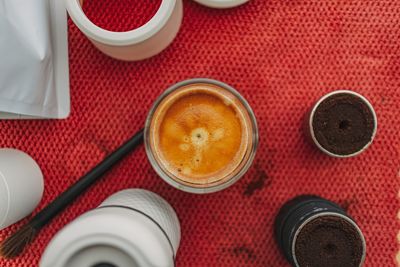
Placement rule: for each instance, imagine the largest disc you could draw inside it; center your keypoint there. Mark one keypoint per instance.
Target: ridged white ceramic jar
(132, 228)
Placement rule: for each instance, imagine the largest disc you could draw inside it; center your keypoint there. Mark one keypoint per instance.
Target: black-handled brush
(16, 243)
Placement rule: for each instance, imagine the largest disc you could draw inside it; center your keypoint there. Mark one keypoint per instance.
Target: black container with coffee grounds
(315, 232)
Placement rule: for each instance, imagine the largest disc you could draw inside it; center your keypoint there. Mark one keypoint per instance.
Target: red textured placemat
(281, 55)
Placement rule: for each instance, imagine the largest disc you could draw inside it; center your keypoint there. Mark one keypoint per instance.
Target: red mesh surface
(282, 55)
(121, 15)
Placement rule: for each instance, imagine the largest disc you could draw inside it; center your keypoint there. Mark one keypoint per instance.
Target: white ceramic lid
(221, 3)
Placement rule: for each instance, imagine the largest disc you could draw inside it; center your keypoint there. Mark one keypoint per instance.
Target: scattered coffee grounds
(329, 241)
(343, 124)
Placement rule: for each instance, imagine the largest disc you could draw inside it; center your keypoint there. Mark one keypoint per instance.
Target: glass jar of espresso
(201, 136)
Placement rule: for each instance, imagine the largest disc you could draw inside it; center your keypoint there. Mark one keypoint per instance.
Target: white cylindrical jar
(132, 228)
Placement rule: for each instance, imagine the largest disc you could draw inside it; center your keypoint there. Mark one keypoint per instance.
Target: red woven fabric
(281, 55)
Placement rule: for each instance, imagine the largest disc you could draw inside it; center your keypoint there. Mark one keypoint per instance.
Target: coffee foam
(199, 133)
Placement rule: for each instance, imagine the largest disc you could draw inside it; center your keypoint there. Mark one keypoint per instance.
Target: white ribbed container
(132, 228)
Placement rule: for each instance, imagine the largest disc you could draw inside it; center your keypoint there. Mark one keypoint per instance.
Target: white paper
(33, 59)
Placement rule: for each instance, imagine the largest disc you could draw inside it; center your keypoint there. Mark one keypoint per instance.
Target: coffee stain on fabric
(261, 180)
(83, 155)
(347, 203)
(244, 252)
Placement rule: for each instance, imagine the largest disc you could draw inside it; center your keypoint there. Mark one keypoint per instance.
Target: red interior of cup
(122, 15)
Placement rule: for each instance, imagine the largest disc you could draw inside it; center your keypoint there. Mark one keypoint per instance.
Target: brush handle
(77, 189)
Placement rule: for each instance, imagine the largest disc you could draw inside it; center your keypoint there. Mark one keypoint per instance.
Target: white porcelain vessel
(132, 228)
(21, 186)
(141, 43)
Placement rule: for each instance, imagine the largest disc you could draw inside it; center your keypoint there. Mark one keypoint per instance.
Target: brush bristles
(16, 243)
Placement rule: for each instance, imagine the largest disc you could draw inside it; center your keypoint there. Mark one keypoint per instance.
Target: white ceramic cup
(141, 43)
(21, 186)
(132, 228)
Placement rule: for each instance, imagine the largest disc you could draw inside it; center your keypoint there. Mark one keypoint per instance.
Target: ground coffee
(329, 241)
(343, 124)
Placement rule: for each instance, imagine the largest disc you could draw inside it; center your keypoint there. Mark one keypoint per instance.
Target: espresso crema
(200, 134)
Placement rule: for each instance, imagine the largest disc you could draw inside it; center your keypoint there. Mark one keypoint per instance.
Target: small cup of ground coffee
(315, 232)
(342, 124)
